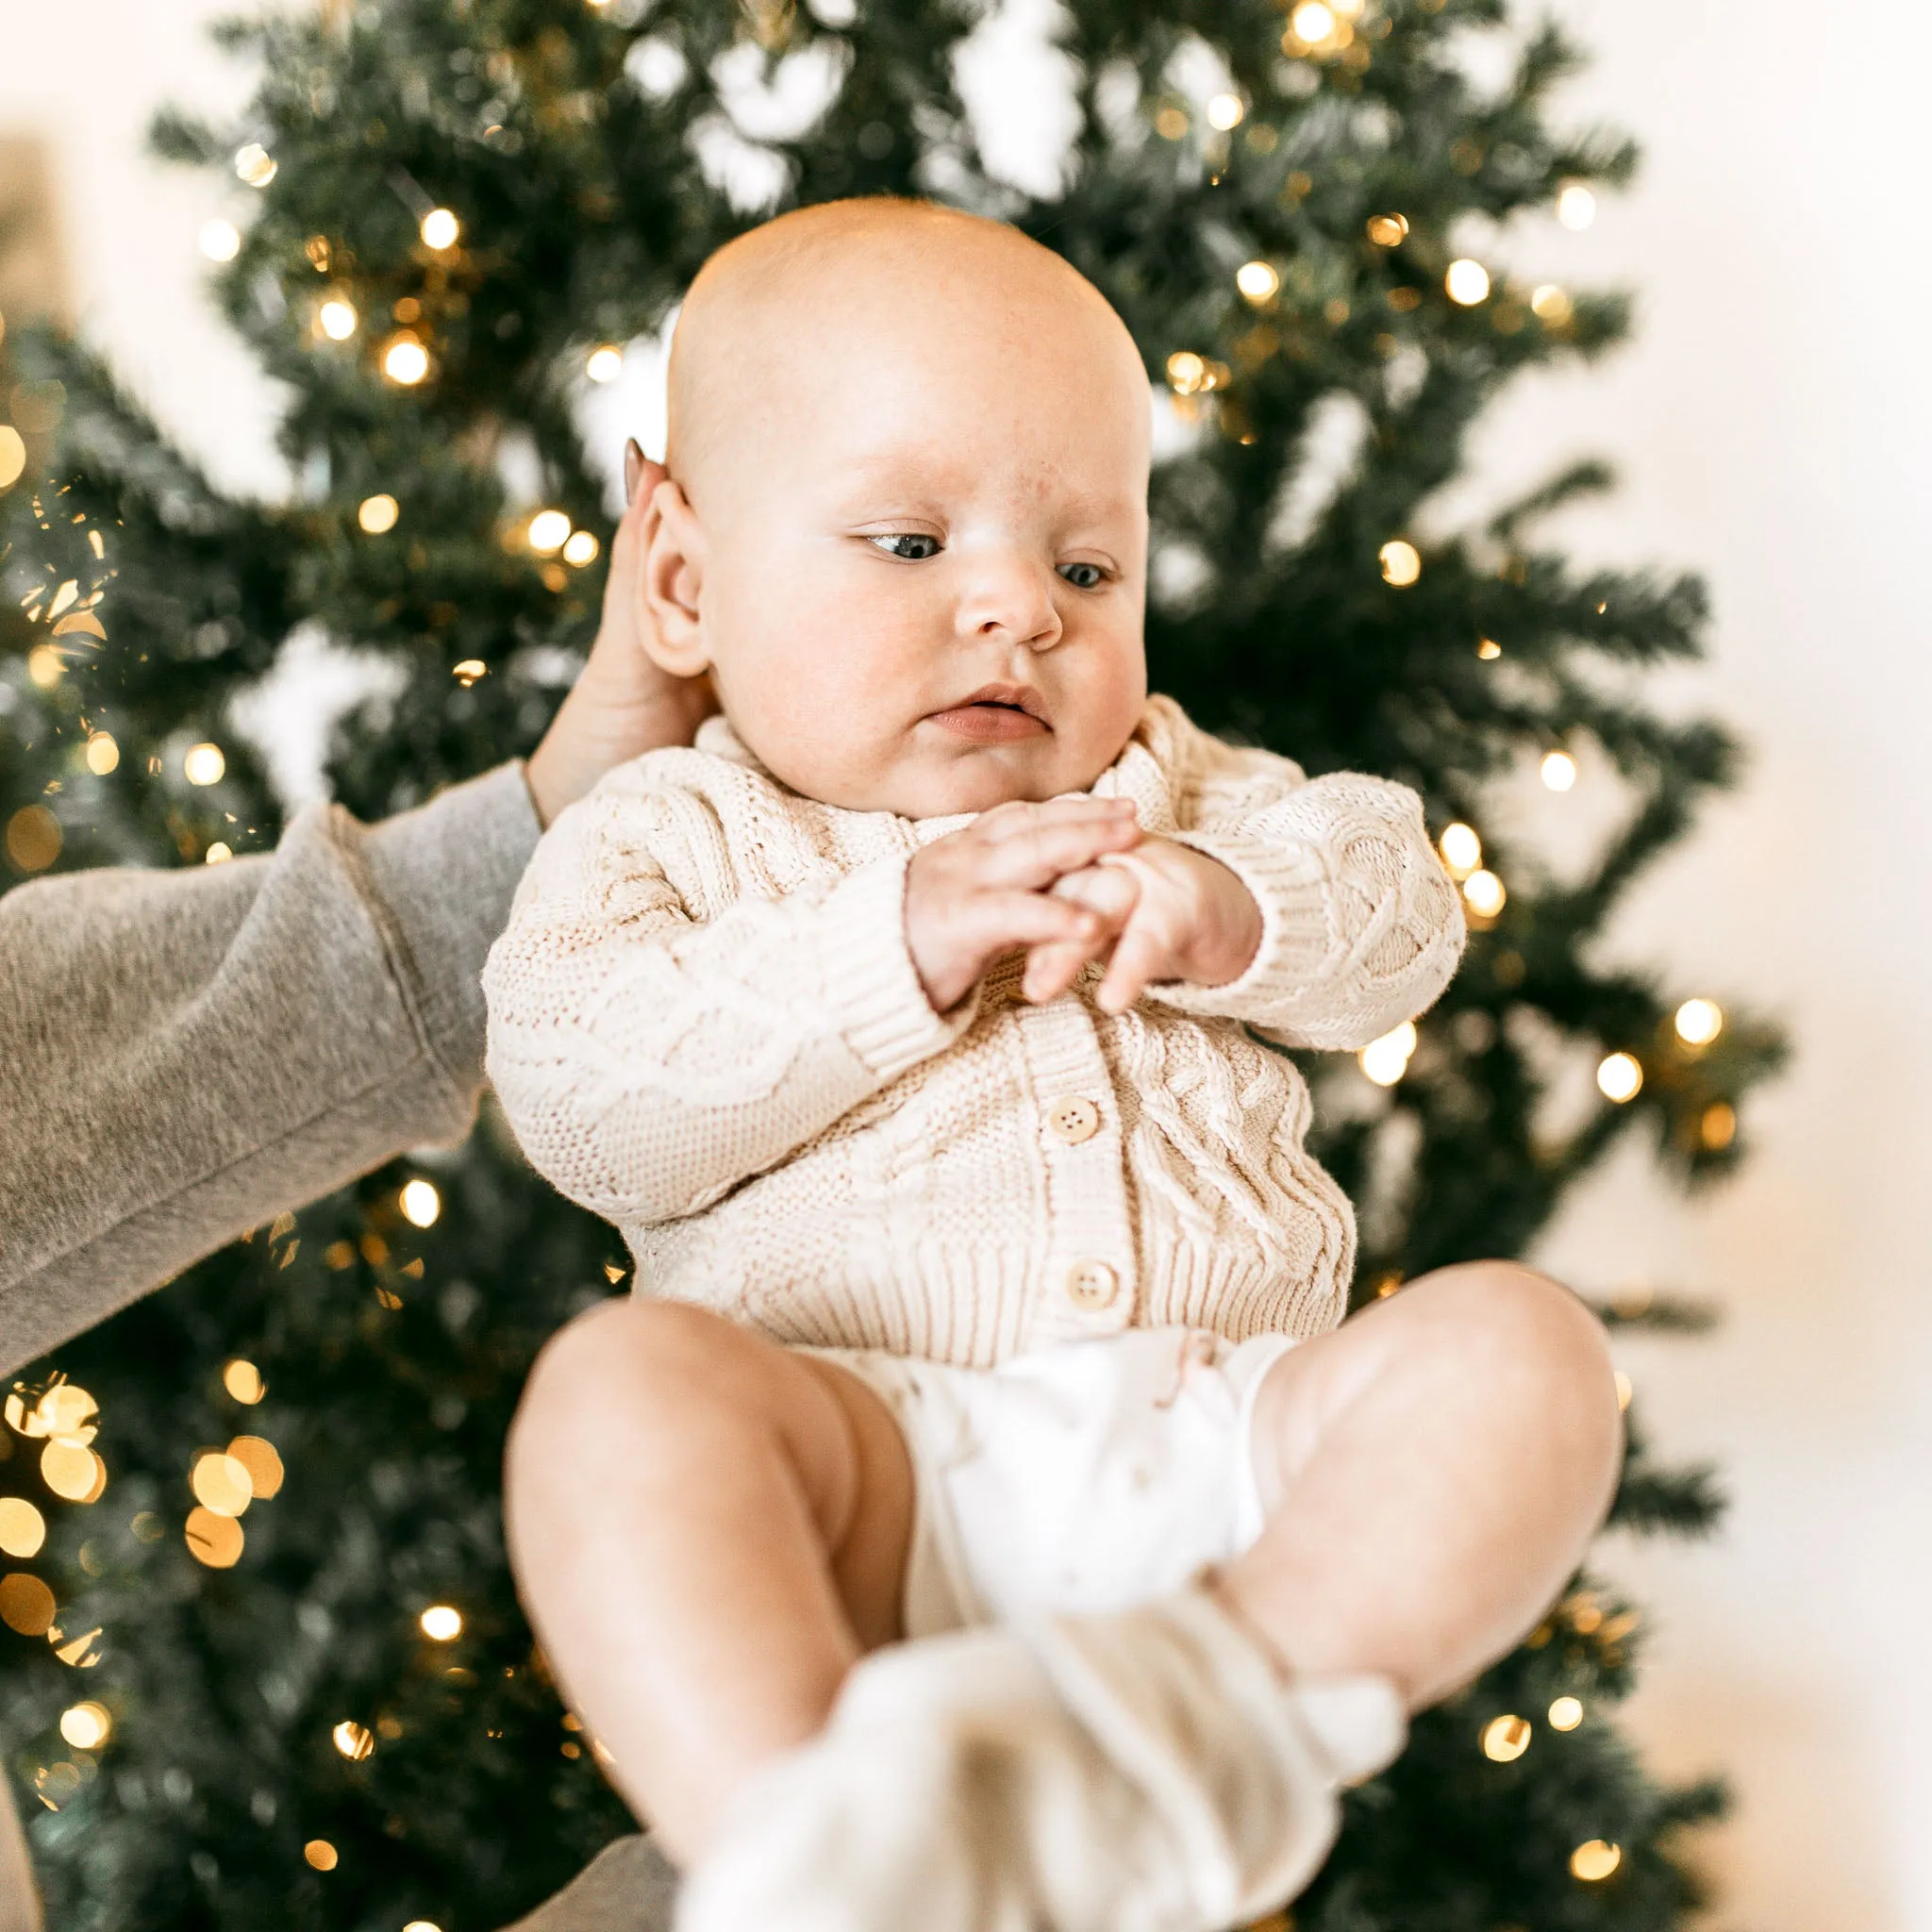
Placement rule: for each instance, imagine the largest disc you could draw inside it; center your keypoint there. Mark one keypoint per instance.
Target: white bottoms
(1084, 1478)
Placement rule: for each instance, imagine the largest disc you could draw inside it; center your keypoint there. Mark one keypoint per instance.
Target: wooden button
(1093, 1285)
(1073, 1120)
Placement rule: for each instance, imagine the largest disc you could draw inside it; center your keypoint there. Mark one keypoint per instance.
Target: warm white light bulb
(581, 549)
(1385, 1061)
(548, 532)
(338, 319)
(1467, 282)
(204, 765)
(406, 361)
(604, 363)
(420, 1202)
(1619, 1077)
(1312, 22)
(255, 165)
(1256, 280)
(1575, 207)
(221, 240)
(1402, 562)
(1699, 1022)
(1226, 112)
(1485, 894)
(442, 1622)
(1461, 849)
(378, 514)
(1559, 771)
(440, 229)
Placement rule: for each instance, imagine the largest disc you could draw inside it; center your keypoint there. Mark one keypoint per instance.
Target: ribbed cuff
(872, 985)
(1287, 883)
(444, 875)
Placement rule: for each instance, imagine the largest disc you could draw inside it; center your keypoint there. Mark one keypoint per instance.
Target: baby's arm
(650, 1060)
(1316, 911)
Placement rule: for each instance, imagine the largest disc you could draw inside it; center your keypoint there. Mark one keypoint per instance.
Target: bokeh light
(86, 1726)
(205, 764)
(548, 532)
(442, 1622)
(404, 362)
(1619, 1077)
(1484, 893)
(1576, 206)
(1699, 1022)
(420, 1202)
(1595, 1860)
(242, 1380)
(1385, 1061)
(1402, 562)
(1505, 1738)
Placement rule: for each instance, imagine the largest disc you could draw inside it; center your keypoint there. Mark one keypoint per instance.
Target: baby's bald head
(906, 524)
(785, 306)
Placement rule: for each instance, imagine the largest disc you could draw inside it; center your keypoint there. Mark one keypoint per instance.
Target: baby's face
(916, 563)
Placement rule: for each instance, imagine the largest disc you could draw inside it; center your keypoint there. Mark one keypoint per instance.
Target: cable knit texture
(705, 1024)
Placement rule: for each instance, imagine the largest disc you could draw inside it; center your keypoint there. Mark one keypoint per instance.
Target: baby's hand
(1168, 911)
(982, 892)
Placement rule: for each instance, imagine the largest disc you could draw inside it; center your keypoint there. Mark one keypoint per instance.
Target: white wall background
(1773, 424)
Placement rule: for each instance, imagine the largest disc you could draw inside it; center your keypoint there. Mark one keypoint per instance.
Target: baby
(979, 1519)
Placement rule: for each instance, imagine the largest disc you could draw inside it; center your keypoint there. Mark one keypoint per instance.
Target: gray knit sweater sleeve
(183, 1054)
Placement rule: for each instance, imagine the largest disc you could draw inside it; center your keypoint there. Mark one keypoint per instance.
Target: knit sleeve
(650, 1058)
(1362, 927)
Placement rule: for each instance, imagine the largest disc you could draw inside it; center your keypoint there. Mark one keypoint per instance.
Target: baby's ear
(673, 578)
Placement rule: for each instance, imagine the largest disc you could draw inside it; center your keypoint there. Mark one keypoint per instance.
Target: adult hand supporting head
(621, 704)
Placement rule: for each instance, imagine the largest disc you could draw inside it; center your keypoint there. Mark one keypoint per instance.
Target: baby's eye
(914, 545)
(1084, 576)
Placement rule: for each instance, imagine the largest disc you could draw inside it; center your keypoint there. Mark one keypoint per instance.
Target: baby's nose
(1013, 605)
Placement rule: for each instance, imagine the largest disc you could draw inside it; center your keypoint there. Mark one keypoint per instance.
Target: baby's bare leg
(708, 1531)
(1432, 1471)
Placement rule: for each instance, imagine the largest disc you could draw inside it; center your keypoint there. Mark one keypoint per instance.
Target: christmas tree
(274, 1671)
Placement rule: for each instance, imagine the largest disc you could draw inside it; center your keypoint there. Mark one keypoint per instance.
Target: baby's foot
(1140, 1773)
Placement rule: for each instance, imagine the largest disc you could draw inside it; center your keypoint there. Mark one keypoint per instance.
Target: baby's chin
(955, 783)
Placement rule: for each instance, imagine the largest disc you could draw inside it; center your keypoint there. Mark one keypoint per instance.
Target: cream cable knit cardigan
(705, 1026)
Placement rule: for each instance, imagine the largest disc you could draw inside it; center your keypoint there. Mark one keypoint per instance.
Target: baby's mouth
(999, 714)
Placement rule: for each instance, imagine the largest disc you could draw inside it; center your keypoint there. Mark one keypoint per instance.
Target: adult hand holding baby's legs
(983, 892)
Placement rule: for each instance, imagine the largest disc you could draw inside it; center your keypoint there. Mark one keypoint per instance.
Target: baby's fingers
(1036, 844)
(1049, 970)
(1139, 959)
(1001, 923)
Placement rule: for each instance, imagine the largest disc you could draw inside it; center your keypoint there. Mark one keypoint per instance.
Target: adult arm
(182, 1054)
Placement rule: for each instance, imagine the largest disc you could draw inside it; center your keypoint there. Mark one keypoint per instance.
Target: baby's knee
(1506, 1321)
(629, 1363)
